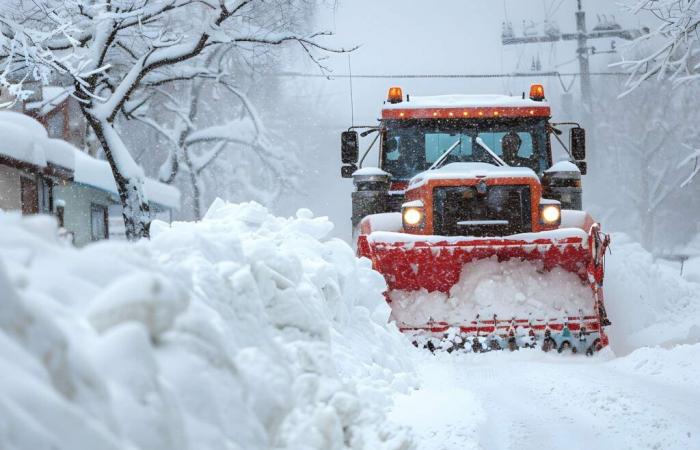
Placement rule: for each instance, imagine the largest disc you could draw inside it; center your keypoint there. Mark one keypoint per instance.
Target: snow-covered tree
(671, 51)
(193, 148)
(211, 117)
(638, 151)
(114, 52)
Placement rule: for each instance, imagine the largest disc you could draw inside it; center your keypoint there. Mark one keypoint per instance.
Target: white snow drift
(243, 331)
(649, 303)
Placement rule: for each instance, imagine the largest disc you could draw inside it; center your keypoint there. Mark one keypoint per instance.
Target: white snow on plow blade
(553, 235)
(508, 289)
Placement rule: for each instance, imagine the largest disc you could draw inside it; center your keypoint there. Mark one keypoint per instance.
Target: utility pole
(582, 51)
(605, 29)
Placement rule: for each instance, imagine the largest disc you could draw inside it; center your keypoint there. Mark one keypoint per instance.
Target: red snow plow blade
(426, 269)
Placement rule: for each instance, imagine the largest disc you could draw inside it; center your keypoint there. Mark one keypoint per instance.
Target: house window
(56, 124)
(61, 215)
(29, 196)
(45, 196)
(98, 222)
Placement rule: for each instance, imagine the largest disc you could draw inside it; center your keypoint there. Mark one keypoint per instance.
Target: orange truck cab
(509, 133)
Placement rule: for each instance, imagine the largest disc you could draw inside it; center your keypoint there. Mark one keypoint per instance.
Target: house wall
(78, 199)
(116, 219)
(10, 190)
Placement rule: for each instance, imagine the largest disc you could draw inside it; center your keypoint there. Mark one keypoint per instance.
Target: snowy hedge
(243, 331)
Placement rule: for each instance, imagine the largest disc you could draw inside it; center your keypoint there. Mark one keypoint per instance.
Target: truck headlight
(550, 214)
(413, 217)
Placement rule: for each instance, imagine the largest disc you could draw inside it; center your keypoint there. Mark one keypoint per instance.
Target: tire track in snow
(533, 400)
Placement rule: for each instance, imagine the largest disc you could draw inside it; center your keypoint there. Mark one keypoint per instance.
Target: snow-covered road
(533, 400)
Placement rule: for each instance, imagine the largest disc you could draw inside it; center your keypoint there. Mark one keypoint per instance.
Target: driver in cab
(510, 145)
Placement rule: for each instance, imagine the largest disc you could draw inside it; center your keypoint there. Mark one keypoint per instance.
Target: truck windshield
(412, 146)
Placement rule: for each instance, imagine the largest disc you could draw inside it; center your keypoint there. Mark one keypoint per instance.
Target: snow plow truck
(475, 220)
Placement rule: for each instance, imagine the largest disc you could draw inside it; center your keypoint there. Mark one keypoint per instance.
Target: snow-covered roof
(98, 174)
(52, 96)
(466, 101)
(24, 139)
(471, 170)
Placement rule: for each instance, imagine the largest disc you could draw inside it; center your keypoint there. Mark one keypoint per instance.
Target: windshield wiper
(493, 154)
(444, 156)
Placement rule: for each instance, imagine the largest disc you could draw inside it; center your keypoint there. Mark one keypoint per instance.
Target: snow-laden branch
(694, 159)
(672, 50)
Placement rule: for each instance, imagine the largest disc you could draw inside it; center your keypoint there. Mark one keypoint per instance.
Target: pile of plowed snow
(243, 331)
(507, 289)
(649, 303)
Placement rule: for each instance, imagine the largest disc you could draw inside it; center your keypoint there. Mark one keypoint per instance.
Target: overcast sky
(454, 37)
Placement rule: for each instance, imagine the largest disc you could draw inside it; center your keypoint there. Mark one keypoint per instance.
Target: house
(40, 174)
(94, 190)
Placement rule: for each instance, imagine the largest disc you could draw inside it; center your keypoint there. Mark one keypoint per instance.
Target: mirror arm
(370, 131)
(551, 129)
(566, 123)
(568, 152)
(362, 160)
(358, 127)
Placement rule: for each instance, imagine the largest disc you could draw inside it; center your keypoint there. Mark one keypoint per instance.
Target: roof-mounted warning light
(395, 95)
(537, 92)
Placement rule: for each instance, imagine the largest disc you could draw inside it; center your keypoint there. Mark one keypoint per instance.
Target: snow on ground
(648, 302)
(247, 331)
(535, 400)
(507, 289)
(243, 331)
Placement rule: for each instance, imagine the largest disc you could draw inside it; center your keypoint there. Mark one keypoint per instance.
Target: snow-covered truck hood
(470, 171)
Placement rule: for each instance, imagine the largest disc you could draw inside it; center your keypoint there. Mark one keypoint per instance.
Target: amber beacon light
(395, 95)
(537, 92)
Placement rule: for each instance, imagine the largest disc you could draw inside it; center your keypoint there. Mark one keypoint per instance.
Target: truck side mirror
(577, 143)
(582, 167)
(349, 147)
(347, 171)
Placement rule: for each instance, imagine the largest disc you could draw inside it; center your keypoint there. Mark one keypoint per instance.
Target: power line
(605, 29)
(457, 75)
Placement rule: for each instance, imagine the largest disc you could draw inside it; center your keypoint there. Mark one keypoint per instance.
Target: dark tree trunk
(135, 210)
(196, 192)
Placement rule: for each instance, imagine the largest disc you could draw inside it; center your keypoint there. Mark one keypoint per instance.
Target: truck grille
(495, 211)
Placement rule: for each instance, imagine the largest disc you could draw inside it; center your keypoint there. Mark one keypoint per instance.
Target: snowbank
(649, 303)
(243, 331)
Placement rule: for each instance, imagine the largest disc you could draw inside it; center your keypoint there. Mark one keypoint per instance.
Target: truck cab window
(438, 143)
(412, 146)
(495, 142)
